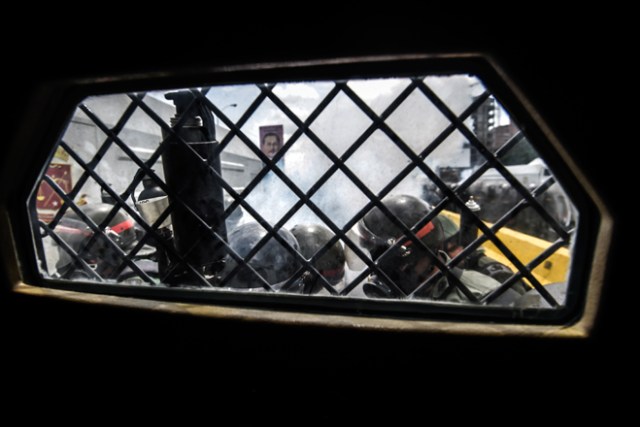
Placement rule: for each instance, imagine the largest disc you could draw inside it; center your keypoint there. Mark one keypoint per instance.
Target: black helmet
(312, 238)
(120, 229)
(77, 234)
(273, 261)
(378, 233)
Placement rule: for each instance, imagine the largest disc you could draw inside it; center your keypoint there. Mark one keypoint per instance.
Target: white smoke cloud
(416, 121)
(376, 162)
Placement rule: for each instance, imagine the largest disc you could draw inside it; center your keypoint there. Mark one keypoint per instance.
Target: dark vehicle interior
(49, 344)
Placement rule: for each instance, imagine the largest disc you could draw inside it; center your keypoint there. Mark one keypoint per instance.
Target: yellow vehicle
(554, 269)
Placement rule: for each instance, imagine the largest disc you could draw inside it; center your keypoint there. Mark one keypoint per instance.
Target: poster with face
(271, 139)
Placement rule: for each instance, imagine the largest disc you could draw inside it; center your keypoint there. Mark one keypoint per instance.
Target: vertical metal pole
(190, 178)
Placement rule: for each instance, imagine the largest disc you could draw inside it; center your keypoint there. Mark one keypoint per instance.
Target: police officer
(274, 262)
(409, 265)
(95, 251)
(331, 264)
(478, 260)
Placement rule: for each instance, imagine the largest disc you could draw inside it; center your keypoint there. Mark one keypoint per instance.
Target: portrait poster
(271, 139)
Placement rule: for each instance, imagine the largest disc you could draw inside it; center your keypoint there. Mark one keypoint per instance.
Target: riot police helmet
(404, 262)
(274, 262)
(314, 237)
(121, 228)
(77, 234)
(378, 231)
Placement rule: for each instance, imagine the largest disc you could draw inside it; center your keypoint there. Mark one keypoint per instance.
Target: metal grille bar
(97, 230)
(104, 147)
(232, 253)
(416, 162)
(492, 159)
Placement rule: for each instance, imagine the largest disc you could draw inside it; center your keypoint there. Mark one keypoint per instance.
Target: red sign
(47, 198)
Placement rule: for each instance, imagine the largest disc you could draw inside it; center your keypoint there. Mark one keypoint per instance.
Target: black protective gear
(377, 289)
(482, 263)
(273, 262)
(409, 265)
(377, 233)
(312, 238)
(120, 229)
(478, 260)
(95, 251)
